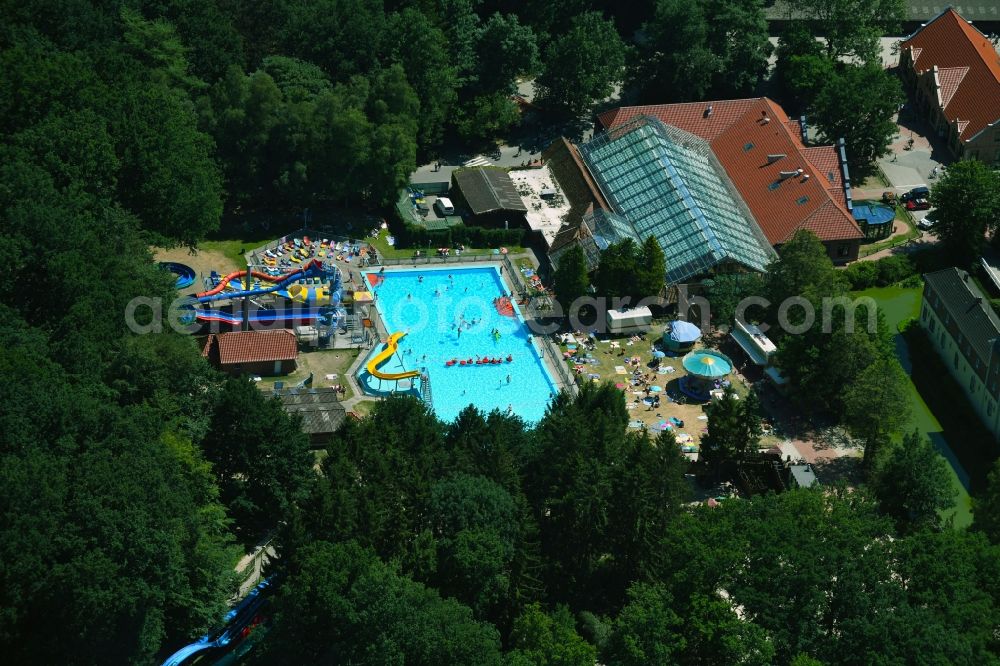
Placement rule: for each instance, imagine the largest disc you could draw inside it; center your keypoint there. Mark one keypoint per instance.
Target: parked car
(916, 193)
(918, 204)
(928, 222)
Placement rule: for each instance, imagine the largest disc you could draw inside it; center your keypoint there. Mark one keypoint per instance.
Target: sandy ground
(202, 261)
(611, 356)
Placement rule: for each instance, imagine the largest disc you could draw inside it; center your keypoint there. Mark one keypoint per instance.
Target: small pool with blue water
(449, 316)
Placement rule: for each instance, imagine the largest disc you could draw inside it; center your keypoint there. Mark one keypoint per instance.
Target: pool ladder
(425, 387)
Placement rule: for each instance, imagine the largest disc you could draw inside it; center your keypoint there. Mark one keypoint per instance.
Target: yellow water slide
(390, 348)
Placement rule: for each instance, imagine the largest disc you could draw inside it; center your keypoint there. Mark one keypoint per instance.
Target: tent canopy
(683, 331)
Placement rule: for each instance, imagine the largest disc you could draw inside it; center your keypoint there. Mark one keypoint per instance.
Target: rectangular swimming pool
(449, 315)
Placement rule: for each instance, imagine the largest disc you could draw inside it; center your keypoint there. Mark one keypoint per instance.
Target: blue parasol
(709, 364)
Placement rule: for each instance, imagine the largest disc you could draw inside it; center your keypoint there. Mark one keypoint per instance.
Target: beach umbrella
(684, 331)
(655, 389)
(658, 354)
(707, 364)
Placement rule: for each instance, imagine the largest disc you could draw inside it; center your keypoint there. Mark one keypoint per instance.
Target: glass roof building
(666, 183)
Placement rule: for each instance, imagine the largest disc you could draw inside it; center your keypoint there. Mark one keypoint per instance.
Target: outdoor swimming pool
(448, 314)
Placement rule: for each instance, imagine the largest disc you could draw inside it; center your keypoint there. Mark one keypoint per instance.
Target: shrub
(862, 274)
(894, 269)
(881, 273)
(418, 237)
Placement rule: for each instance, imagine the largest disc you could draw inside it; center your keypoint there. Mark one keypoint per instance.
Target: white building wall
(947, 348)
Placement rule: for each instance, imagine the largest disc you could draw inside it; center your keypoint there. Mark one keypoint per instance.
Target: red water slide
(257, 274)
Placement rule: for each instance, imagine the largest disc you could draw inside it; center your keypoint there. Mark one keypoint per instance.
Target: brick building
(265, 353)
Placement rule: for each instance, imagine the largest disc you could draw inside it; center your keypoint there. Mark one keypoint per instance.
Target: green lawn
(897, 305)
(390, 252)
(233, 249)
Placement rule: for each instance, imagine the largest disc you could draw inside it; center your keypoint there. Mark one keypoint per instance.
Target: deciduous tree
(571, 279)
(581, 66)
(967, 203)
(857, 104)
(914, 485)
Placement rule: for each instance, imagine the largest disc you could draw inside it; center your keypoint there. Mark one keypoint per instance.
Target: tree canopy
(967, 208)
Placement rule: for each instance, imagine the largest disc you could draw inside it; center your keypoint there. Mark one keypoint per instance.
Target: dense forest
(134, 476)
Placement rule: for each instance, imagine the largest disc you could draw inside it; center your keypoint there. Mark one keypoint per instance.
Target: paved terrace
(544, 215)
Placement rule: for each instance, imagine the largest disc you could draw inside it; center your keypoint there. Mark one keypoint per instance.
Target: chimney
(771, 159)
(799, 171)
(805, 178)
(708, 112)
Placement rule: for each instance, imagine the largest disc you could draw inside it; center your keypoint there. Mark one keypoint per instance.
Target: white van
(444, 207)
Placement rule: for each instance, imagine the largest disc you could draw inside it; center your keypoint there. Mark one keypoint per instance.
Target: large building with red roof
(954, 73)
(719, 183)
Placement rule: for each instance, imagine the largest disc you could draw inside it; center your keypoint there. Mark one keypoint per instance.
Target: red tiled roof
(685, 116)
(827, 164)
(950, 78)
(251, 347)
(742, 134)
(951, 43)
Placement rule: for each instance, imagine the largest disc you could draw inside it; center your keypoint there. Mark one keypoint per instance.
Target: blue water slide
(235, 621)
(308, 314)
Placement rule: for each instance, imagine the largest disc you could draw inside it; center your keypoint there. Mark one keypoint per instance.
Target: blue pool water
(430, 305)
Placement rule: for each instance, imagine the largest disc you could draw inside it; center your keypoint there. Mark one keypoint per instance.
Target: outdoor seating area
(288, 253)
(653, 383)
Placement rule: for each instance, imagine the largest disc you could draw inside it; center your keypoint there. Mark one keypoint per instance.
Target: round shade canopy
(683, 331)
(658, 354)
(709, 364)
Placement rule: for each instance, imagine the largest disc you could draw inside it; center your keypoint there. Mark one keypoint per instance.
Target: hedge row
(418, 237)
(881, 273)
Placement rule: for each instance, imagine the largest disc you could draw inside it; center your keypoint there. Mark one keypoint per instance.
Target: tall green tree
(338, 35)
(476, 527)
(423, 50)
(802, 269)
(341, 604)
(547, 639)
(694, 50)
(725, 292)
(734, 429)
(967, 203)
(802, 66)
(914, 486)
(581, 66)
(651, 273)
(656, 628)
(260, 457)
(571, 278)
(852, 28)
(876, 406)
(986, 507)
(857, 104)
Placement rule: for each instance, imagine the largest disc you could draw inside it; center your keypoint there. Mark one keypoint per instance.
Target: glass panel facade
(666, 183)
